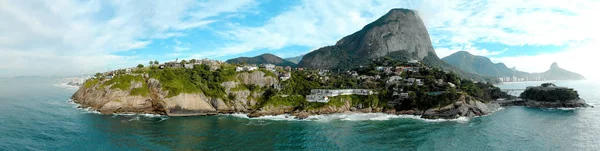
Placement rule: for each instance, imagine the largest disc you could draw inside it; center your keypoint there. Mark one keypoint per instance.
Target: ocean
(36, 114)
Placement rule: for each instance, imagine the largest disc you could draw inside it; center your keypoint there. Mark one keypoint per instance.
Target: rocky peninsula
(208, 87)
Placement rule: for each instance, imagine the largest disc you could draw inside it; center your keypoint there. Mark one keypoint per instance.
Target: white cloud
(71, 36)
(311, 23)
(511, 22)
(180, 46)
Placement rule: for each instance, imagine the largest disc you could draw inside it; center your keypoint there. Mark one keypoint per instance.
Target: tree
(98, 75)
(140, 66)
(151, 62)
(193, 61)
(156, 62)
(183, 61)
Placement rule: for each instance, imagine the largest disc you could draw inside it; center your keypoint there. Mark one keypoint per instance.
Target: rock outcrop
(557, 104)
(107, 100)
(466, 106)
(398, 30)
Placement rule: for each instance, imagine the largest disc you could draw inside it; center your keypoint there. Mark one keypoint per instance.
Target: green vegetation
(548, 92)
(91, 82)
(292, 100)
(198, 79)
(142, 91)
(140, 66)
(123, 82)
(267, 72)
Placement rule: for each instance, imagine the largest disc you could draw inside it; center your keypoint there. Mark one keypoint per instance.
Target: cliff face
(109, 101)
(398, 30)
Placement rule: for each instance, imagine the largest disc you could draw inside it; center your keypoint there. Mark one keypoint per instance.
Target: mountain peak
(266, 58)
(554, 66)
(399, 10)
(400, 31)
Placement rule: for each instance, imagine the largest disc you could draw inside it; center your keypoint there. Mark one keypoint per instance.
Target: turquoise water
(36, 115)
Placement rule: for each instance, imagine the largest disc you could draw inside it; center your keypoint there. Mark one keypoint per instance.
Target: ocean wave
(140, 114)
(89, 110)
(346, 117)
(66, 86)
(282, 117)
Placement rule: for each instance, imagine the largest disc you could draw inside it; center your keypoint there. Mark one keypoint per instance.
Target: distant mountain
(557, 73)
(481, 65)
(398, 30)
(296, 59)
(484, 66)
(266, 58)
(399, 34)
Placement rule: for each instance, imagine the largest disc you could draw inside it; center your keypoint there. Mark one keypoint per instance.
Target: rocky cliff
(109, 100)
(398, 30)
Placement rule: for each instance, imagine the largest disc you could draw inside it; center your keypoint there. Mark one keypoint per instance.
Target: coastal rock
(557, 104)
(257, 78)
(109, 101)
(188, 105)
(229, 85)
(271, 110)
(466, 106)
(301, 115)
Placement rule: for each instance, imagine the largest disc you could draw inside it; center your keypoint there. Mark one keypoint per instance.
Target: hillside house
(285, 76)
(172, 64)
(388, 70)
(322, 95)
(398, 70)
(245, 68)
(452, 85)
(414, 62)
(394, 80)
(419, 82)
(270, 67)
(317, 98)
(365, 77)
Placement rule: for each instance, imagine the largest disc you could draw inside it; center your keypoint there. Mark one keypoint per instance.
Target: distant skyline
(45, 38)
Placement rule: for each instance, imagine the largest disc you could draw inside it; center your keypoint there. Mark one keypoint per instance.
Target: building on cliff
(322, 95)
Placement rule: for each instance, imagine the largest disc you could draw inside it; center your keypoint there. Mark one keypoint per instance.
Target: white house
(270, 67)
(413, 62)
(394, 79)
(451, 84)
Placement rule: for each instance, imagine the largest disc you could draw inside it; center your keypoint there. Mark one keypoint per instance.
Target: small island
(549, 95)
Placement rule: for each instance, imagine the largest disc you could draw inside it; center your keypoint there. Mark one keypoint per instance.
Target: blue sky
(82, 36)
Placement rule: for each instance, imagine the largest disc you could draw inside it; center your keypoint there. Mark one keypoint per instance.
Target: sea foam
(345, 117)
(66, 86)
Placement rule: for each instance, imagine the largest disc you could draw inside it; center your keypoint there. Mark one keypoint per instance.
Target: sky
(71, 37)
